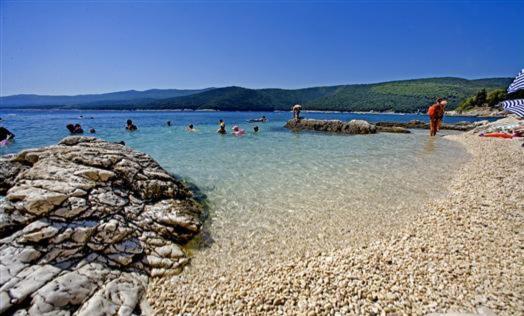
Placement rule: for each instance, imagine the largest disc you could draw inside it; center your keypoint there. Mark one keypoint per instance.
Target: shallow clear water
(275, 192)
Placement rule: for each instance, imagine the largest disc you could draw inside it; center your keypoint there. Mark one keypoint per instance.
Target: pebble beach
(461, 253)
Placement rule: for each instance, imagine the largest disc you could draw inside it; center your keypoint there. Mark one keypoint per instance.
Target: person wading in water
(222, 127)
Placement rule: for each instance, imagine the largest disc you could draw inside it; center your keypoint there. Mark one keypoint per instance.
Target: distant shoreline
(202, 110)
(450, 114)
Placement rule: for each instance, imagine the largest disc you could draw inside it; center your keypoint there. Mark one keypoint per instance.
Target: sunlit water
(276, 192)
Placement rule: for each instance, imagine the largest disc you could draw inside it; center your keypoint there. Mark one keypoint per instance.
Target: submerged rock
(84, 224)
(393, 129)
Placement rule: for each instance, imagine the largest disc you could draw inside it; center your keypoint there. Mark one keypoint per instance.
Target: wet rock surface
(84, 224)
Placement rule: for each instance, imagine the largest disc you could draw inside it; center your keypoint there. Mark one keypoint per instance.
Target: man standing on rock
(296, 111)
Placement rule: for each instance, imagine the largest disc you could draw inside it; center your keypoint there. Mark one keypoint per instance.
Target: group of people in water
(131, 127)
(436, 115)
(236, 130)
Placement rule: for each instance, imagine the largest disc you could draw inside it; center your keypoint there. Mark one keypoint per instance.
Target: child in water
(191, 128)
(237, 131)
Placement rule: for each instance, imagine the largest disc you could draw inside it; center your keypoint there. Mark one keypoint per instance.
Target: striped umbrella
(518, 83)
(514, 106)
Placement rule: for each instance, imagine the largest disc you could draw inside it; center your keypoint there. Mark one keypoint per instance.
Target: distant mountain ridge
(24, 100)
(399, 96)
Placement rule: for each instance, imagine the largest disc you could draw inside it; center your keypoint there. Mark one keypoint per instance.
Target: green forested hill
(399, 96)
(404, 96)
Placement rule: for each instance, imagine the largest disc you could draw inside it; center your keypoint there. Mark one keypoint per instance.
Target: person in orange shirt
(434, 112)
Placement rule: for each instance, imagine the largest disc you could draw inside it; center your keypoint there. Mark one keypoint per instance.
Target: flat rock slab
(84, 224)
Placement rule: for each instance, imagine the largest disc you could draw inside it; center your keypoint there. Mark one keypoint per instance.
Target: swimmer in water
(222, 127)
(255, 129)
(168, 123)
(6, 137)
(130, 126)
(75, 129)
(237, 131)
(262, 119)
(191, 128)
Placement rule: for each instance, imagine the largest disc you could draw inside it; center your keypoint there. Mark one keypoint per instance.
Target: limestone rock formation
(340, 127)
(333, 126)
(84, 224)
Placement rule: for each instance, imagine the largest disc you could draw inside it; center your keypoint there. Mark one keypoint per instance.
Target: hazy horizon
(73, 47)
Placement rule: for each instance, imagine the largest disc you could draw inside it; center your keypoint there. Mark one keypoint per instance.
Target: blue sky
(73, 47)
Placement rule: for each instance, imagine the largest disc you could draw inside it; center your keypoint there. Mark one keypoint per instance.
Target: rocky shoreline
(84, 224)
(462, 253)
(480, 112)
(91, 227)
(358, 127)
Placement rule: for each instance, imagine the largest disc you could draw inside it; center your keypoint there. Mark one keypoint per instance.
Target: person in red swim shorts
(434, 114)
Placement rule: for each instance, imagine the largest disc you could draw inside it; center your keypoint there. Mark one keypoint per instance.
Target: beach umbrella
(518, 83)
(514, 106)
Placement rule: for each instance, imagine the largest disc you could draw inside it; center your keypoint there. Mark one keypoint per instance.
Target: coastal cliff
(84, 224)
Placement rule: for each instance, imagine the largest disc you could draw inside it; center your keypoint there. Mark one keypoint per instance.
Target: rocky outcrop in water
(83, 226)
(352, 127)
(363, 127)
(333, 126)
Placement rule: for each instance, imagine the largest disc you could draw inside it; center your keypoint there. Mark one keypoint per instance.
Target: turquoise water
(275, 192)
(41, 128)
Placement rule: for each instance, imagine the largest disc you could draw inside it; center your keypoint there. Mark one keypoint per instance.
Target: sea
(276, 192)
